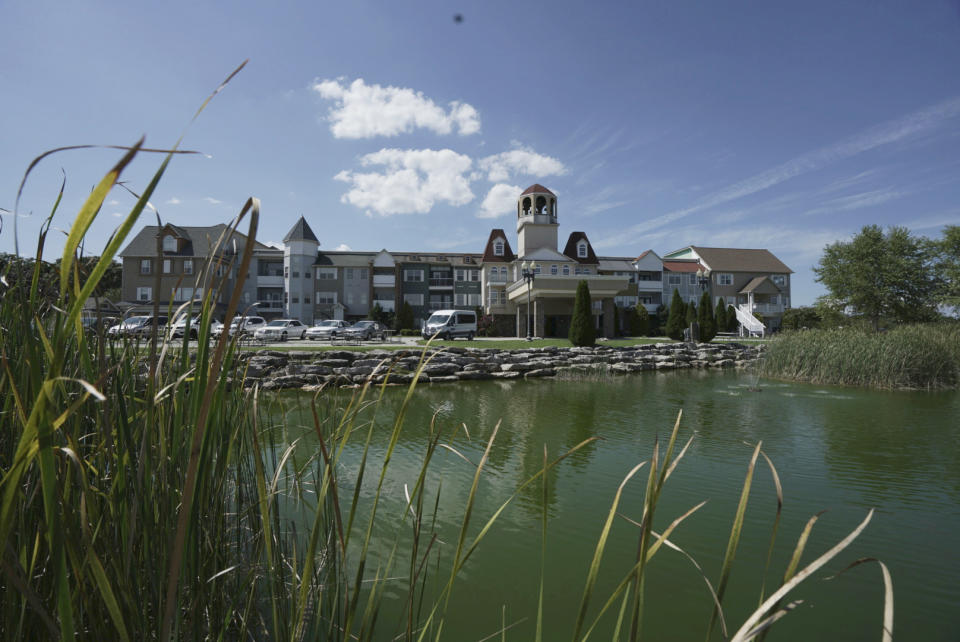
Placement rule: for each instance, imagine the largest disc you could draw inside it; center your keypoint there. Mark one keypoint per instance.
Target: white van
(451, 324)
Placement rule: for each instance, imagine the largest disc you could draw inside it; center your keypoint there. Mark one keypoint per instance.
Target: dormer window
(169, 243)
(582, 250)
(498, 247)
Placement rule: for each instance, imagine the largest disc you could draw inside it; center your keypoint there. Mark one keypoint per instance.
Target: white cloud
(343, 247)
(364, 111)
(173, 201)
(412, 182)
(212, 200)
(856, 201)
(522, 161)
(113, 202)
(500, 200)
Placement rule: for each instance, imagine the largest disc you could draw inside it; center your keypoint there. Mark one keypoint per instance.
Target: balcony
(650, 286)
(441, 282)
(385, 305)
(768, 308)
(271, 281)
(269, 306)
(384, 281)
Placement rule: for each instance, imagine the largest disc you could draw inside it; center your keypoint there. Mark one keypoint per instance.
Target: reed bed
(143, 497)
(919, 356)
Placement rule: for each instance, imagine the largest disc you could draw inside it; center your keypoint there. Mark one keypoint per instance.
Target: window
(349, 274)
(779, 279)
(461, 275)
(494, 296)
(326, 298)
(724, 279)
(167, 266)
(362, 274)
(577, 270)
(169, 243)
(348, 296)
(646, 300)
(363, 298)
(413, 276)
(586, 270)
(503, 297)
(146, 266)
(566, 270)
(582, 250)
(692, 278)
(327, 274)
(536, 268)
(553, 270)
(188, 266)
(673, 279)
(286, 271)
(144, 294)
(460, 299)
(221, 269)
(296, 274)
(187, 294)
(498, 247)
(413, 299)
(306, 300)
(296, 299)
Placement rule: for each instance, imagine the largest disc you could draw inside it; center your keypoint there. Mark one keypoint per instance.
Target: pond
(839, 450)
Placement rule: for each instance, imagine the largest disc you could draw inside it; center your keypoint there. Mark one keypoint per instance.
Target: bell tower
(536, 220)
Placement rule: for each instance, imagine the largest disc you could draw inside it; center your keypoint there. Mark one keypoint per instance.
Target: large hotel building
(304, 282)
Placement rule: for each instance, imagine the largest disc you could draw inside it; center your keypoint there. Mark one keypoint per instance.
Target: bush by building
(582, 332)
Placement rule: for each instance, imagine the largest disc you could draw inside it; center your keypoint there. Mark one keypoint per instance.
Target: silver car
(281, 330)
(364, 330)
(326, 330)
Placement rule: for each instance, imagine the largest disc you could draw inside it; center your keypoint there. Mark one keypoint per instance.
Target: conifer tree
(705, 319)
(720, 316)
(732, 322)
(675, 320)
(582, 332)
(691, 314)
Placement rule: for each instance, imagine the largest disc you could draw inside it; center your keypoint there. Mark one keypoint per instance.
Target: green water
(836, 449)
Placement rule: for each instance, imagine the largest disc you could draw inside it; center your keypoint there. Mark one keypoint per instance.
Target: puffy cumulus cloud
(500, 200)
(343, 247)
(212, 200)
(412, 181)
(364, 111)
(523, 161)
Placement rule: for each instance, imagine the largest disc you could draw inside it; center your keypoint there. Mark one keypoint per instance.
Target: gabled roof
(681, 266)
(538, 189)
(300, 232)
(489, 256)
(200, 241)
(545, 254)
(760, 285)
(728, 259)
(571, 248)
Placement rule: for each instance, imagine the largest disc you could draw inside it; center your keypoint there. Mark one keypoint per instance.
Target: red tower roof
(538, 189)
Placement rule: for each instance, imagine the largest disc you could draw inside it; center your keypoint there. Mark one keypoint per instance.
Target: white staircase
(749, 324)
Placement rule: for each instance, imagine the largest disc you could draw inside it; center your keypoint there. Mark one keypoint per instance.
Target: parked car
(94, 324)
(245, 325)
(326, 330)
(449, 324)
(180, 326)
(364, 330)
(281, 330)
(145, 328)
(126, 326)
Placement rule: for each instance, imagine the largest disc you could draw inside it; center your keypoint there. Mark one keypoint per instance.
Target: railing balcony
(497, 278)
(433, 306)
(272, 280)
(269, 305)
(384, 280)
(650, 286)
(387, 305)
(768, 308)
(441, 282)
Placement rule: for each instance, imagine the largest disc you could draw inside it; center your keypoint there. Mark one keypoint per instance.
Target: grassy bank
(921, 356)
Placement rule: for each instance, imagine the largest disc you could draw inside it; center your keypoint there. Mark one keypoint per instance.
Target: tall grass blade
(887, 594)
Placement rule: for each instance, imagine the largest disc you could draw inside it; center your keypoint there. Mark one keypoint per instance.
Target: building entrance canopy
(548, 286)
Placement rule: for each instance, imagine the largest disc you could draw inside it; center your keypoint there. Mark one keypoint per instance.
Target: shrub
(640, 321)
(582, 332)
(690, 314)
(676, 317)
(732, 322)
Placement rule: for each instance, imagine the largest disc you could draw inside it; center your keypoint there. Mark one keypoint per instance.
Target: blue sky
(389, 124)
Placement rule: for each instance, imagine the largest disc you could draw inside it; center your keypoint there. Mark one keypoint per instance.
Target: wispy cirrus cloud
(908, 127)
(412, 181)
(365, 111)
(856, 201)
(173, 201)
(212, 200)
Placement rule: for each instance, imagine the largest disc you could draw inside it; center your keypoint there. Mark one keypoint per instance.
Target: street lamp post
(527, 272)
(703, 278)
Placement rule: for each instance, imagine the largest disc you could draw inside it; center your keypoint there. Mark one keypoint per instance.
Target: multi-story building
(173, 265)
(302, 281)
(753, 280)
